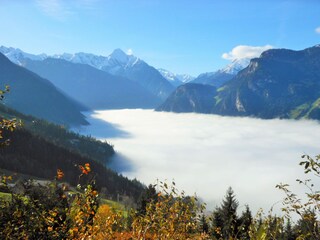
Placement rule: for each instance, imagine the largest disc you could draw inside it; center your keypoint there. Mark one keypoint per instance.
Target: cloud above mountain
(245, 51)
(317, 30)
(130, 51)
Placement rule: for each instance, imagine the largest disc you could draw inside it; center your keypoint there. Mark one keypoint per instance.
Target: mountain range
(281, 83)
(117, 64)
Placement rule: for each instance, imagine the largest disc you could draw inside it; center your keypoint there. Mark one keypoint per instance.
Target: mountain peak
(119, 55)
(236, 65)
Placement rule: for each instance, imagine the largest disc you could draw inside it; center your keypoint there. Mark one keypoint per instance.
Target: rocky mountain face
(190, 97)
(33, 95)
(280, 83)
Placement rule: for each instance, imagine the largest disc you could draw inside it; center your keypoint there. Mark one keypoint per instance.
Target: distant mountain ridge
(93, 87)
(33, 95)
(175, 79)
(281, 83)
(223, 75)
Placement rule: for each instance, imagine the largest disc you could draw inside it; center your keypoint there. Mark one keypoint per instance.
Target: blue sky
(189, 36)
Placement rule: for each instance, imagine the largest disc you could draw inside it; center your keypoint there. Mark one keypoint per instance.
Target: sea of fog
(205, 154)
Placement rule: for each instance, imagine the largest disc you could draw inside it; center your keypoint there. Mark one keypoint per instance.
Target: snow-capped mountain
(117, 63)
(83, 58)
(126, 65)
(223, 75)
(175, 79)
(236, 66)
(17, 56)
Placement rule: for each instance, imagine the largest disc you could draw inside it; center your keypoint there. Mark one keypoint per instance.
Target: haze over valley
(205, 154)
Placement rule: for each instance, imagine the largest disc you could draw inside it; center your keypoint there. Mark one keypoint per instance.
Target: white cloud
(208, 153)
(244, 51)
(317, 30)
(129, 51)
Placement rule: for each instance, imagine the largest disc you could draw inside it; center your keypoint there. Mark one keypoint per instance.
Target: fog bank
(207, 153)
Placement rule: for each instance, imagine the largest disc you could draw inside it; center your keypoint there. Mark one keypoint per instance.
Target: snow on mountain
(235, 66)
(17, 56)
(83, 58)
(175, 79)
(116, 58)
(223, 75)
(214, 78)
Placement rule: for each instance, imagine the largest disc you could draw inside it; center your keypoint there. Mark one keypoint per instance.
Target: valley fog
(205, 154)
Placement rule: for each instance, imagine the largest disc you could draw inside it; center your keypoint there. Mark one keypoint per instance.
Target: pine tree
(225, 221)
(229, 214)
(149, 195)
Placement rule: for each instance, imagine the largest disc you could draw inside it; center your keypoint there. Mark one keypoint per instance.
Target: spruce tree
(229, 214)
(225, 221)
(149, 195)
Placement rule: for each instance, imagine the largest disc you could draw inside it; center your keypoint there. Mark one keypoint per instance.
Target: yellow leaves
(172, 216)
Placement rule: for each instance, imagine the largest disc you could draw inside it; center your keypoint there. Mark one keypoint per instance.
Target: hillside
(62, 137)
(38, 148)
(36, 96)
(33, 155)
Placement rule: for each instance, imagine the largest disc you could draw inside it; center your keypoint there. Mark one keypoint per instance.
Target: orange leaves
(85, 169)
(60, 174)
